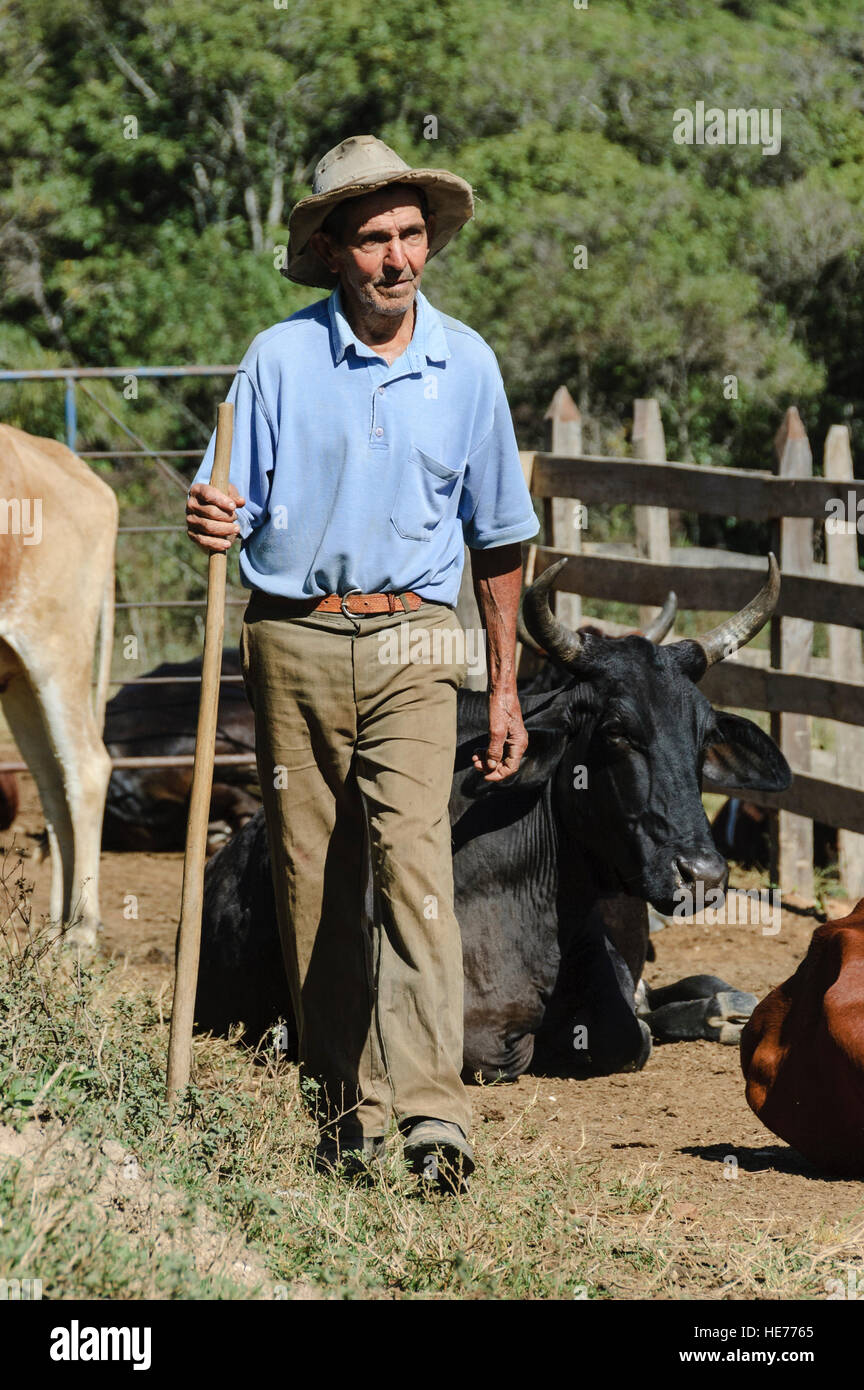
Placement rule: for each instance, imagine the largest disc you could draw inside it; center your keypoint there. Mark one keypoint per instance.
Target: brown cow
(8, 799)
(58, 527)
(802, 1052)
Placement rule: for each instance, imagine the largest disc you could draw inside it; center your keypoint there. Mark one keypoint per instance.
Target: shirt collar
(428, 342)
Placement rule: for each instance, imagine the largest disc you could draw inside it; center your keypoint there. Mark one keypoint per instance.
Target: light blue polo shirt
(362, 475)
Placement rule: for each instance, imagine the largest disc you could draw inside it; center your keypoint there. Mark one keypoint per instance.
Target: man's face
(383, 250)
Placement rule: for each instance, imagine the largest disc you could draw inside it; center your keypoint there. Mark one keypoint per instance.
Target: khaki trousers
(355, 747)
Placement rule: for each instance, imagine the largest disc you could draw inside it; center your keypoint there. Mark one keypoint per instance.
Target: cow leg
(496, 1055)
(232, 805)
(617, 1040)
(699, 1006)
(22, 713)
(682, 991)
(87, 770)
(591, 1024)
(70, 764)
(230, 809)
(625, 922)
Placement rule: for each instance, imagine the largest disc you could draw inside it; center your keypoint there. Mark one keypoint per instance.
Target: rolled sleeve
(252, 454)
(495, 507)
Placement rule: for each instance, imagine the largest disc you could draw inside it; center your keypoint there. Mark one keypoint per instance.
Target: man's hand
(210, 520)
(508, 738)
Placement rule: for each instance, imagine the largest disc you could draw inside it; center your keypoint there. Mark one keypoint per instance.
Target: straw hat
(360, 165)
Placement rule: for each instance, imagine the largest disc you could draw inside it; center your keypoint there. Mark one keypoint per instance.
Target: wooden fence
(788, 682)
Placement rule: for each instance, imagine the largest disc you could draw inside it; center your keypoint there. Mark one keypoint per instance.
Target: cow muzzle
(705, 867)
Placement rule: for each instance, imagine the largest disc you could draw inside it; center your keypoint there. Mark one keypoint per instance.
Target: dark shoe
(438, 1151)
(350, 1156)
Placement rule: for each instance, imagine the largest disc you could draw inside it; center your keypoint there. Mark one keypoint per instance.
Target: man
(371, 434)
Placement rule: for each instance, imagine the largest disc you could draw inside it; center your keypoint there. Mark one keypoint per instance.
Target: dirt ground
(679, 1119)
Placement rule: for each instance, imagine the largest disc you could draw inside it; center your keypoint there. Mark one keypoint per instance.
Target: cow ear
(539, 761)
(541, 757)
(740, 755)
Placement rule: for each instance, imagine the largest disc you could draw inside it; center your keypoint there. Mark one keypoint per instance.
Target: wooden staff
(191, 903)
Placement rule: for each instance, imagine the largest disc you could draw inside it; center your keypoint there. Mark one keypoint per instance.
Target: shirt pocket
(424, 495)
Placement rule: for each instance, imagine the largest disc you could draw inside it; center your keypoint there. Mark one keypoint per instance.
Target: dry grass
(106, 1194)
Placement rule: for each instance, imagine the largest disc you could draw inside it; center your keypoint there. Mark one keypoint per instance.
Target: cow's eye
(615, 734)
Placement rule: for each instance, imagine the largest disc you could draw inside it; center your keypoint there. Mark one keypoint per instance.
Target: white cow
(58, 529)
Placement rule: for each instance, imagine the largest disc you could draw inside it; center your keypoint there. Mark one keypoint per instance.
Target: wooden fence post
(561, 514)
(791, 648)
(844, 648)
(652, 523)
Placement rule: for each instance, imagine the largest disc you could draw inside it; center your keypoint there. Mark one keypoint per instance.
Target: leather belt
(356, 602)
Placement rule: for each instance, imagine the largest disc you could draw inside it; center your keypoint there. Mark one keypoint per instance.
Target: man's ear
(430, 227)
(740, 755)
(322, 245)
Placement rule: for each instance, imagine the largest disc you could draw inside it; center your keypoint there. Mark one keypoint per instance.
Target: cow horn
(558, 641)
(657, 630)
(524, 635)
(736, 631)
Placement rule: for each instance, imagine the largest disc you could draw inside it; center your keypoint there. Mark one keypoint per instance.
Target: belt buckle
(342, 602)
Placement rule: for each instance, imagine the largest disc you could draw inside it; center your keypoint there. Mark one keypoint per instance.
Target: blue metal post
(71, 413)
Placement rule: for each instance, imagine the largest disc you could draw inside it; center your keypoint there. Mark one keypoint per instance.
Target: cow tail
(106, 647)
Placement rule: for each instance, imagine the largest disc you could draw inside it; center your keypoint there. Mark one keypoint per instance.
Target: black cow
(147, 808)
(605, 807)
(742, 831)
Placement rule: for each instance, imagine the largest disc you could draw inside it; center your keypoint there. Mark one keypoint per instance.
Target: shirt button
(379, 431)
(380, 390)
